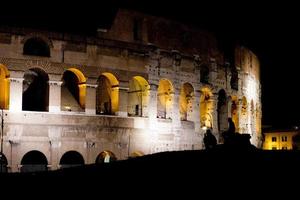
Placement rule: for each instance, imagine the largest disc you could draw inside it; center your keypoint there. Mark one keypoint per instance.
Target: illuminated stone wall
(131, 95)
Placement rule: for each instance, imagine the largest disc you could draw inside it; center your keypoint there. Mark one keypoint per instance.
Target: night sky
(269, 30)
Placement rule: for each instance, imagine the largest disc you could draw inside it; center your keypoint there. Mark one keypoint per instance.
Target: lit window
(284, 138)
(284, 148)
(274, 139)
(274, 148)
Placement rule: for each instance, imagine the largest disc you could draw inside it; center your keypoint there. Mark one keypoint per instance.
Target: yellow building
(279, 139)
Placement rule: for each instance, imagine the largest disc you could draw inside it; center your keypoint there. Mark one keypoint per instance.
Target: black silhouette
(210, 140)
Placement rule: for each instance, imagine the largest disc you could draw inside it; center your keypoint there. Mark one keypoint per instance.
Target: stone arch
(206, 108)
(222, 111)
(4, 87)
(138, 96)
(34, 161)
(186, 102)
(35, 90)
(3, 163)
(36, 46)
(244, 115)
(105, 157)
(73, 90)
(107, 94)
(234, 111)
(164, 99)
(71, 159)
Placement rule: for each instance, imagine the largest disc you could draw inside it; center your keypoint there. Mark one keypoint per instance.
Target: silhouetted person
(210, 140)
(231, 126)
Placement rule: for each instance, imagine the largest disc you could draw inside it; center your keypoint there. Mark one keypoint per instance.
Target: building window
(137, 30)
(274, 139)
(284, 148)
(284, 138)
(36, 47)
(274, 148)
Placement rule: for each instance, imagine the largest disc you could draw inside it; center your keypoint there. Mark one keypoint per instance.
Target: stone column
(90, 99)
(196, 111)
(240, 117)
(175, 109)
(54, 96)
(16, 92)
(214, 114)
(123, 99)
(153, 105)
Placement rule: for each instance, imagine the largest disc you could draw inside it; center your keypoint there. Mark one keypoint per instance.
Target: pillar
(123, 99)
(214, 114)
(90, 99)
(175, 109)
(152, 105)
(196, 111)
(54, 96)
(16, 92)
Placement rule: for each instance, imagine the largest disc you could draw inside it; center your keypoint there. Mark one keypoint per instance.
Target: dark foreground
(182, 171)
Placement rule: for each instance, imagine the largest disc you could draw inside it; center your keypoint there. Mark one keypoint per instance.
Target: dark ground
(186, 173)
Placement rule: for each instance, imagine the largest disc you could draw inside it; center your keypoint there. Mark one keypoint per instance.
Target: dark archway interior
(36, 47)
(70, 81)
(34, 161)
(105, 156)
(3, 163)
(72, 158)
(222, 111)
(35, 91)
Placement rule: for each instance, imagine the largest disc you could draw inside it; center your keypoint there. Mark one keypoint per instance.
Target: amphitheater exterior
(143, 85)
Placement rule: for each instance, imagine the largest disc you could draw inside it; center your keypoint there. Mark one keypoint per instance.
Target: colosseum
(143, 85)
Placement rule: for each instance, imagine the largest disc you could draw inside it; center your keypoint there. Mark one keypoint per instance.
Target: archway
(186, 102)
(36, 47)
(222, 111)
(204, 74)
(3, 163)
(71, 159)
(35, 90)
(107, 94)
(164, 99)
(244, 115)
(138, 96)
(206, 108)
(34, 161)
(105, 157)
(4, 87)
(73, 91)
(234, 112)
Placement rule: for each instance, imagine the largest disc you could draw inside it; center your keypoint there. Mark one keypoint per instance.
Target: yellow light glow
(206, 108)
(234, 112)
(112, 89)
(185, 101)
(4, 87)
(165, 98)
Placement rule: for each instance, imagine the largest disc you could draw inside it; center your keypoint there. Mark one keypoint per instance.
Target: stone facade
(144, 85)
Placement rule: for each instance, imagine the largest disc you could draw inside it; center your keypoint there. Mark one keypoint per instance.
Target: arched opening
(35, 90)
(244, 115)
(138, 96)
(222, 111)
(3, 163)
(164, 99)
(71, 159)
(234, 112)
(107, 94)
(186, 102)
(206, 108)
(34, 161)
(204, 74)
(4, 87)
(36, 47)
(73, 91)
(105, 157)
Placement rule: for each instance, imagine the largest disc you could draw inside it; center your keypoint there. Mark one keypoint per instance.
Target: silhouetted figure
(231, 126)
(210, 140)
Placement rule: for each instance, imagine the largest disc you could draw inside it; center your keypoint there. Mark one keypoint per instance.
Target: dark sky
(270, 30)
